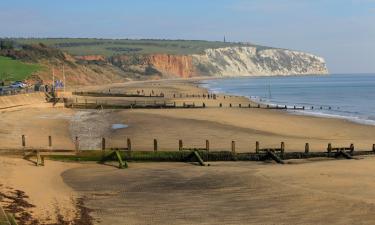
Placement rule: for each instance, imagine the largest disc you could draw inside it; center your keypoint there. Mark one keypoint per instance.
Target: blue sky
(342, 31)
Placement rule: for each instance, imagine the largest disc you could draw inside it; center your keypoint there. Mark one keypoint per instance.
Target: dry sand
(43, 186)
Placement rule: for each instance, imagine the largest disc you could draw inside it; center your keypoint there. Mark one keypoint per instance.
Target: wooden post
(207, 145)
(49, 141)
(257, 146)
(180, 145)
(76, 143)
(329, 149)
(282, 147)
(233, 147)
(155, 145)
(23, 141)
(307, 148)
(129, 144)
(103, 144)
(38, 159)
(42, 160)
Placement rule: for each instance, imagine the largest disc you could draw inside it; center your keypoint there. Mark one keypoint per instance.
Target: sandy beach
(226, 193)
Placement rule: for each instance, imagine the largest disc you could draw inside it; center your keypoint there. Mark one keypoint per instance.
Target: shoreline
(316, 112)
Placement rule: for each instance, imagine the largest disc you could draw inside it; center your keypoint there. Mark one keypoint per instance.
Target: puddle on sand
(118, 126)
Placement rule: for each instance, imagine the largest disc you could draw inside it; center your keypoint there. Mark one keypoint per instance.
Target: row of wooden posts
(181, 146)
(214, 96)
(208, 96)
(187, 105)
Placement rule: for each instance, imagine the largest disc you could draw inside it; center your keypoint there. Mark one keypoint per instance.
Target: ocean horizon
(343, 96)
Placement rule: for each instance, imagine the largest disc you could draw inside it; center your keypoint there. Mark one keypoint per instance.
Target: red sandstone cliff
(163, 64)
(177, 65)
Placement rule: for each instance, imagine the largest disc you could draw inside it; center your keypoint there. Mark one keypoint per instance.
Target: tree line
(6, 44)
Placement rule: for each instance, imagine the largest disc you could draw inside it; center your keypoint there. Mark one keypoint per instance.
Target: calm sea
(348, 96)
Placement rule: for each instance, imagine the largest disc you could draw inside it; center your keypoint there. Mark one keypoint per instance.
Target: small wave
(356, 119)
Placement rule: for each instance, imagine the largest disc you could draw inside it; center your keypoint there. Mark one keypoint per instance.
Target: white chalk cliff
(247, 61)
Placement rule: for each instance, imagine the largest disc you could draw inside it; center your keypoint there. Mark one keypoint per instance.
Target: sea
(345, 96)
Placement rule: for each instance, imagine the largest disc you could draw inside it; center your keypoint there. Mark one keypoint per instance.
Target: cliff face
(243, 61)
(85, 71)
(229, 61)
(156, 64)
(173, 65)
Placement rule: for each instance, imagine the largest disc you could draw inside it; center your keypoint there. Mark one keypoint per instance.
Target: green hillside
(108, 47)
(12, 70)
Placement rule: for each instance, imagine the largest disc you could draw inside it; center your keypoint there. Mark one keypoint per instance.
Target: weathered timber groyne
(183, 153)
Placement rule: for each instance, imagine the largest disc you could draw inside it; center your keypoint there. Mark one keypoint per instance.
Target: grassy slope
(15, 70)
(108, 47)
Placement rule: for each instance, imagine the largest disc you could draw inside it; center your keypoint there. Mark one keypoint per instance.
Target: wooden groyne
(161, 104)
(136, 104)
(183, 153)
(116, 95)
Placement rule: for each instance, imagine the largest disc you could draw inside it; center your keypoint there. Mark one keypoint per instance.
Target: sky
(341, 31)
